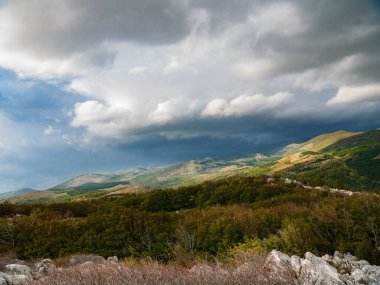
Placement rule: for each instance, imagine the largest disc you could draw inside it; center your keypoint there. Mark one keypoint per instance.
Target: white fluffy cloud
(246, 105)
(143, 64)
(350, 95)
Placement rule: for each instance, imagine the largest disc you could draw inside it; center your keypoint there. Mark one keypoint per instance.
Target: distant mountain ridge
(80, 180)
(9, 194)
(340, 159)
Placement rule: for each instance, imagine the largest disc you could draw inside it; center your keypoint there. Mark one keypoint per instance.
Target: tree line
(207, 220)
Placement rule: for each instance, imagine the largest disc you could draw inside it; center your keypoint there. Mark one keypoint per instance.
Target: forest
(210, 220)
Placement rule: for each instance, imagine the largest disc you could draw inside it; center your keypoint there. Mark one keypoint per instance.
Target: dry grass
(62, 261)
(252, 271)
(77, 259)
(8, 258)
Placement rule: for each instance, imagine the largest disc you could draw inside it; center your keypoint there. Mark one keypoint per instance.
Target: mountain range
(9, 194)
(344, 160)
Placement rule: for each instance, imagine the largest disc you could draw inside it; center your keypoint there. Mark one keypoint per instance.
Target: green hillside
(352, 162)
(320, 142)
(367, 139)
(341, 159)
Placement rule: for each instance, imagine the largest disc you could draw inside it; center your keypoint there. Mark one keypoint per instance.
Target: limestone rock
(316, 271)
(280, 267)
(113, 259)
(87, 264)
(360, 277)
(296, 263)
(21, 279)
(19, 269)
(44, 267)
(5, 279)
(14, 279)
(80, 259)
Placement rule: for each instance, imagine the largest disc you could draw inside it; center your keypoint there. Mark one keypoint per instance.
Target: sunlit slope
(340, 159)
(352, 162)
(318, 143)
(368, 139)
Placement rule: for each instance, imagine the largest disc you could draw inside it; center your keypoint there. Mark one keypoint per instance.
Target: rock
(317, 271)
(348, 256)
(278, 258)
(327, 258)
(44, 267)
(347, 279)
(15, 279)
(19, 269)
(113, 259)
(280, 267)
(21, 279)
(339, 269)
(80, 259)
(87, 264)
(5, 279)
(373, 272)
(295, 262)
(360, 277)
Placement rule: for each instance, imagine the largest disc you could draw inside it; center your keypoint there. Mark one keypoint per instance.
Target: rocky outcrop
(280, 268)
(315, 270)
(324, 188)
(44, 267)
(21, 274)
(275, 268)
(339, 269)
(16, 274)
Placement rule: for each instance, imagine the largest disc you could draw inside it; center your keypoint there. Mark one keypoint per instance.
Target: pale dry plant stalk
(253, 271)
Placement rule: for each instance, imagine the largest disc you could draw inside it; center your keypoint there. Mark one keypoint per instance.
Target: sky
(108, 85)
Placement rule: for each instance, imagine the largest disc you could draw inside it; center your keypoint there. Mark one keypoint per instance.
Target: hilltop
(350, 162)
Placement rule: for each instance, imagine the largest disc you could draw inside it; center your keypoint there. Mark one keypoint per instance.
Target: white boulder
(113, 259)
(19, 269)
(316, 271)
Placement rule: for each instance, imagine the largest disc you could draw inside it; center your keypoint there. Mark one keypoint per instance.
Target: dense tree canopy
(205, 220)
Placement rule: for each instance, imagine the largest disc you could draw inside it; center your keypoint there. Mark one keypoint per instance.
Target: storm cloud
(167, 73)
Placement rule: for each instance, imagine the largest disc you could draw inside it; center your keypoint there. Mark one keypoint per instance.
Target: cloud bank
(144, 63)
(140, 70)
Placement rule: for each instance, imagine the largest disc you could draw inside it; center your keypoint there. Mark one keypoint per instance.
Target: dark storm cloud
(150, 82)
(64, 27)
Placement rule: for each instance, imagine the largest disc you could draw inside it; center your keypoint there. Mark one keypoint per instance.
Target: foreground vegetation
(251, 271)
(209, 220)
